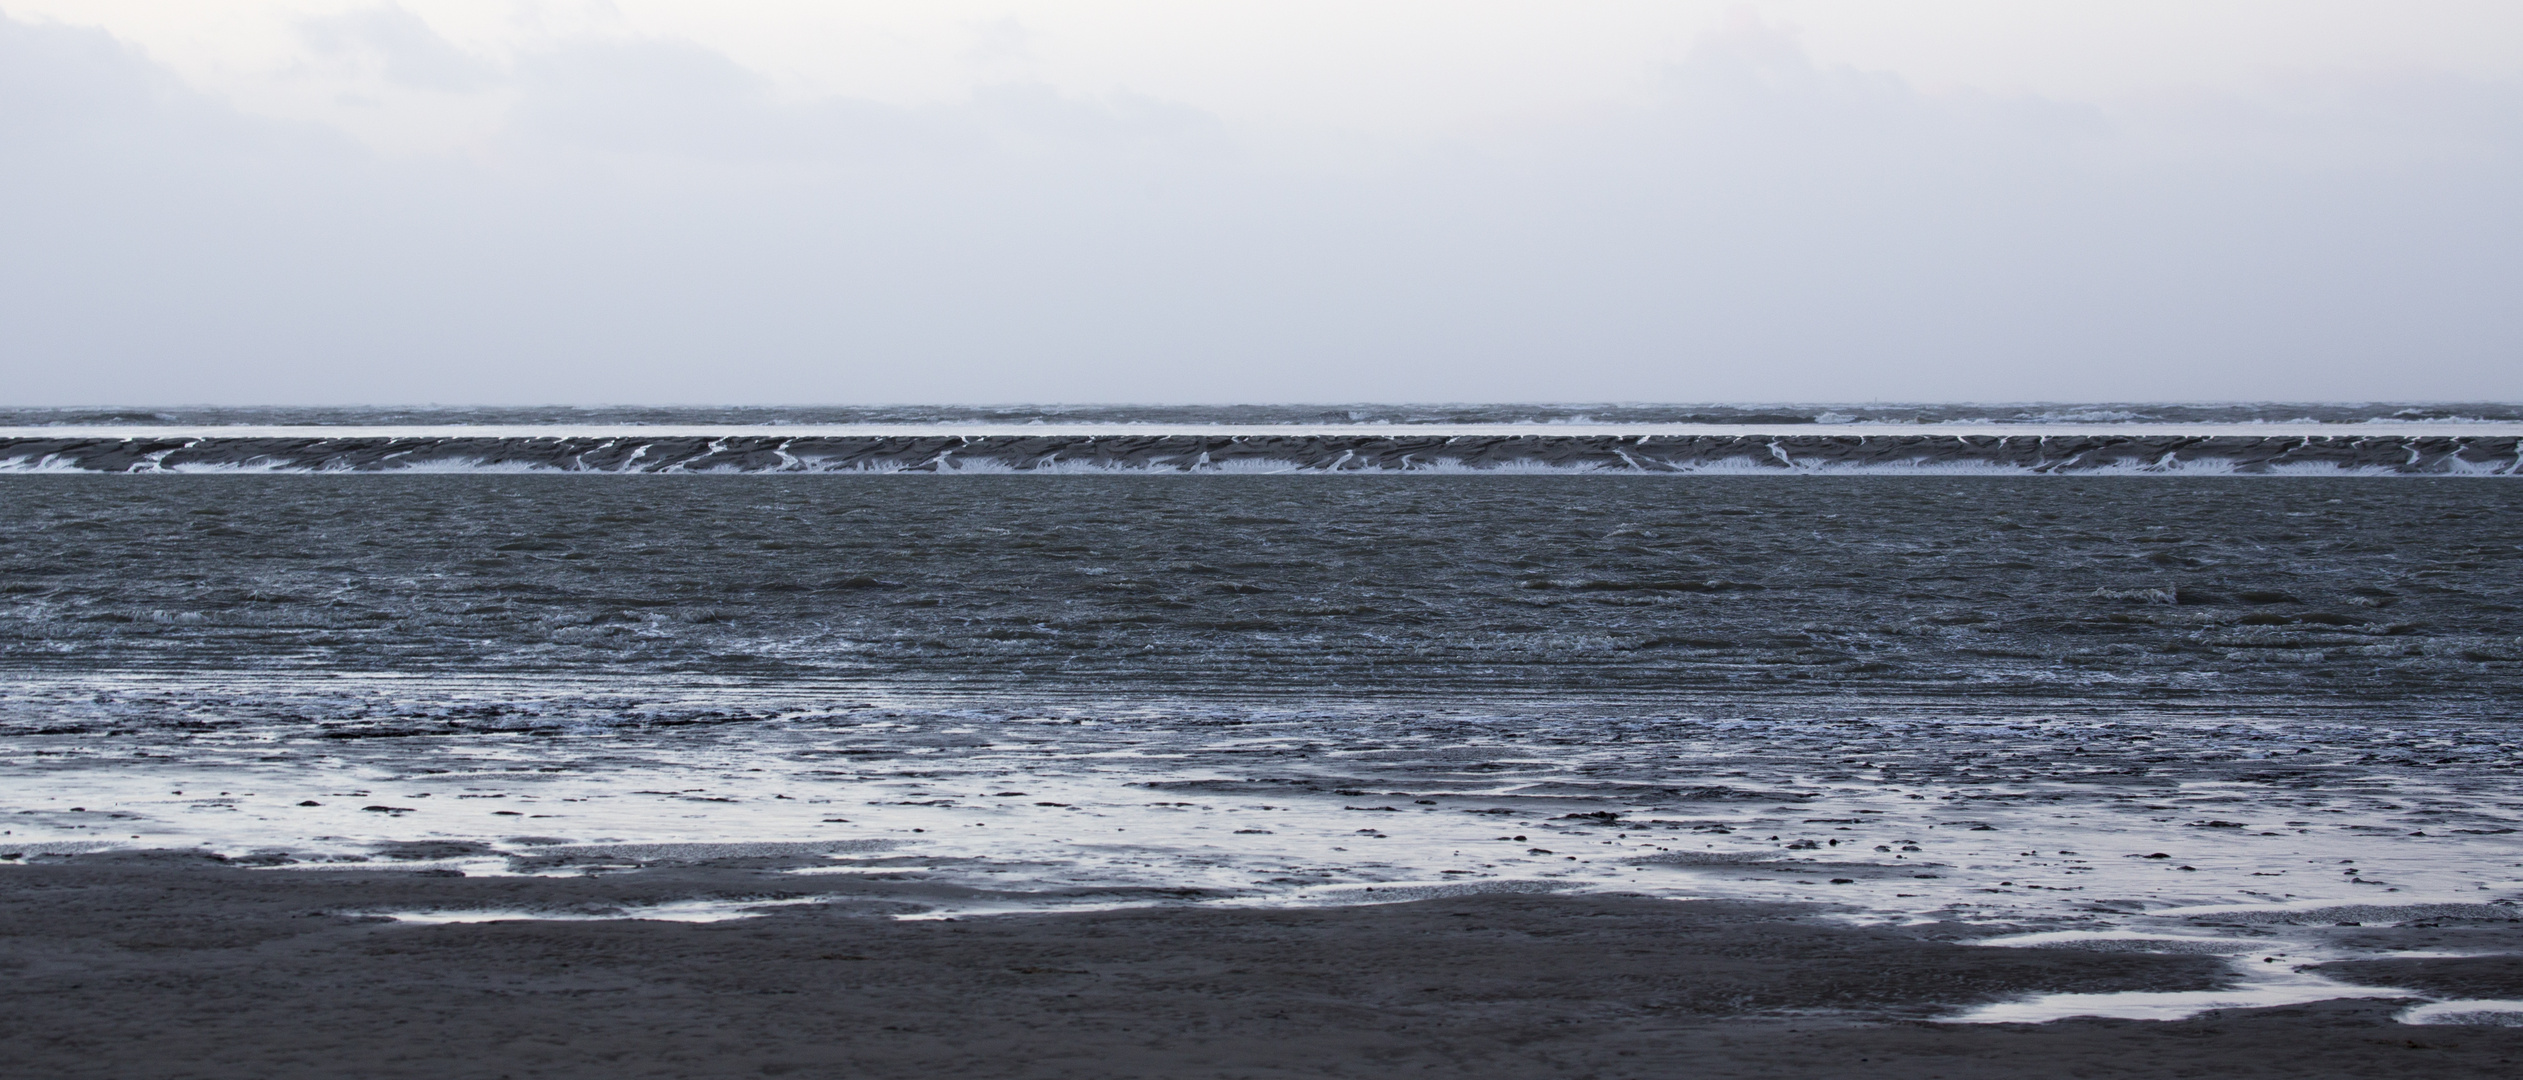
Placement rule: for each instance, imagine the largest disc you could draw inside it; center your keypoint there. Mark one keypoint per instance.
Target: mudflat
(163, 964)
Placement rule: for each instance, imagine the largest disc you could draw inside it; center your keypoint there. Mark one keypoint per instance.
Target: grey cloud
(650, 97)
(407, 49)
(1002, 43)
(677, 100)
(64, 88)
(656, 224)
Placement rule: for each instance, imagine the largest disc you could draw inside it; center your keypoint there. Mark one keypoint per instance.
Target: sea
(2178, 708)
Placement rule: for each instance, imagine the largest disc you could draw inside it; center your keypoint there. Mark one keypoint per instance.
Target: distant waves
(2408, 454)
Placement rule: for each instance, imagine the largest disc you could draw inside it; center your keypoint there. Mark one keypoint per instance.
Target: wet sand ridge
(142, 965)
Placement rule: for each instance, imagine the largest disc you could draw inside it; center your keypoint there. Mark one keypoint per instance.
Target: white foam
(2259, 989)
(702, 850)
(53, 847)
(1405, 892)
(2142, 940)
(2486, 1012)
(2317, 910)
(692, 911)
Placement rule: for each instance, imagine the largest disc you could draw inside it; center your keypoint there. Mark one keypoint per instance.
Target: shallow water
(2118, 708)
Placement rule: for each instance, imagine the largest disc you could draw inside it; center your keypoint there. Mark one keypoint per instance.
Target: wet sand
(178, 965)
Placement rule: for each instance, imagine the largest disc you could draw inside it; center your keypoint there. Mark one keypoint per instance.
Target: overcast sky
(510, 201)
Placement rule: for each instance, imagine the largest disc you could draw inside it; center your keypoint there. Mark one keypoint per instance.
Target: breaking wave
(1573, 415)
(1056, 453)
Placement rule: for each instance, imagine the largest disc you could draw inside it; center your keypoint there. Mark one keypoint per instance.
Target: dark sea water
(2066, 704)
(2398, 595)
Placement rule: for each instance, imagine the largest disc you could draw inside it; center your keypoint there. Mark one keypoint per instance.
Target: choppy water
(1810, 592)
(1987, 698)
